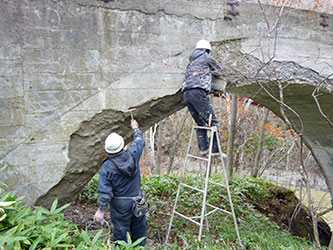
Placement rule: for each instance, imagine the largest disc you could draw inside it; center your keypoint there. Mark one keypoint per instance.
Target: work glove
(99, 216)
(134, 124)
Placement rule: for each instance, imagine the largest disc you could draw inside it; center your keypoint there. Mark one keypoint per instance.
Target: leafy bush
(40, 228)
(90, 191)
(129, 244)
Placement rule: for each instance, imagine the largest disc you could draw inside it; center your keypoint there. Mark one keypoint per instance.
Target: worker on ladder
(196, 88)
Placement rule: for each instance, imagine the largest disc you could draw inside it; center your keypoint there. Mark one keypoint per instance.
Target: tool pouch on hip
(140, 206)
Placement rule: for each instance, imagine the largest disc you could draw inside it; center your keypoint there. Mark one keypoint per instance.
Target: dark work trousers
(200, 107)
(124, 221)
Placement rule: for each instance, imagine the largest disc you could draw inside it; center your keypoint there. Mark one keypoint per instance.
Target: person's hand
(99, 216)
(134, 124)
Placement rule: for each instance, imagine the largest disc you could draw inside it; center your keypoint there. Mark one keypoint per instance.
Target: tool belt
(123, 198)
(139, 207)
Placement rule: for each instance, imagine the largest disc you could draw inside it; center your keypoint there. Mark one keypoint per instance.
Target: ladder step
(202, 127)
(217, 208)
(206, 159)
(197, 157)
(187, 218)
(215, 183)
(199, 216)
(191, 187)
(209, 213)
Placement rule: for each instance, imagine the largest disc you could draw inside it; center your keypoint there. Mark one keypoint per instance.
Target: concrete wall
(68, 70)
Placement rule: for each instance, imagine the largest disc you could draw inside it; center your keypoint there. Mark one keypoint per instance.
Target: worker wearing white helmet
(114, 143)
(119, 187)
(196, 88)
(203, 44)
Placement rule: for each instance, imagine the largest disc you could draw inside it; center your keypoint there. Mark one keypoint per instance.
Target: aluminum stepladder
(204, 186)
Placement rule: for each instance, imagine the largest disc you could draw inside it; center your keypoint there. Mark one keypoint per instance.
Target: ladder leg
(203, 210)
(208, 169)
(229, 194)
(201, 176)
(179, 186)
(172, 215)
(202, 187)
(206, 219)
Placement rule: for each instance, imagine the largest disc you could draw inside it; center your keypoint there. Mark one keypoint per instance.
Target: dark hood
(125, 163)
(196, 53)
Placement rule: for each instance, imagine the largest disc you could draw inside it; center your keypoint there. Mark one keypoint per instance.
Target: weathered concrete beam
(288, 90)
(86, 147)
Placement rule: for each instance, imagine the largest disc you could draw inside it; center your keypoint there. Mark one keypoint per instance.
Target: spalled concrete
(69, 70)
(87, 144)
(299, 95)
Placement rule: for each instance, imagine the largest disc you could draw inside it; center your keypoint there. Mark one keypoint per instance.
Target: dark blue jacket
(120, 173)
(199, 71)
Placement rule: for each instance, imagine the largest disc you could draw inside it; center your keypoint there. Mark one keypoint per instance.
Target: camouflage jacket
(199, 71)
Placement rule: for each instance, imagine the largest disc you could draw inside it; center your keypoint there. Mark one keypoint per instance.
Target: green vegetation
(129, 245)
(256, 230)
(89, 192)
(39, 228)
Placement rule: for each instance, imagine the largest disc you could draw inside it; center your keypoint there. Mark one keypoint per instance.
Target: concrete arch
(86, 147)
(267, 84)
(298, 95)
(67, 78)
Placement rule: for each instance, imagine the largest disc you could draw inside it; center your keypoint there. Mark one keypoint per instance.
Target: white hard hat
(203, 44)
(114, 143)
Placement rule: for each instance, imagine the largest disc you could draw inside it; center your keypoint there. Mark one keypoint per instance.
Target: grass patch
(256, 230)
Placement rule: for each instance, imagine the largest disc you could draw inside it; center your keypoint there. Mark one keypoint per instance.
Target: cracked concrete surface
(86, 147)
(286, 89)
(69, 70)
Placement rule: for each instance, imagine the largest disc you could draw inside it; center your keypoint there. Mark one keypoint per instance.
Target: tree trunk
(256, 164)
(151, 148)
(160, 139)
(173, 150)
(231, 136)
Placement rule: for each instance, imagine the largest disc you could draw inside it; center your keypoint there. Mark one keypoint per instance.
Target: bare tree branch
(314, 95)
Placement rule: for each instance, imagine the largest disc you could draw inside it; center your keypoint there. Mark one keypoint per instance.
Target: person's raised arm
(138, 142)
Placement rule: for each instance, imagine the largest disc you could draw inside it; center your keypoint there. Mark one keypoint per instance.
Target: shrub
(25, 228)
(90, 191)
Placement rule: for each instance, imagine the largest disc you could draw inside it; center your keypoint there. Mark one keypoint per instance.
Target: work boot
(204, 153)
(217, 155)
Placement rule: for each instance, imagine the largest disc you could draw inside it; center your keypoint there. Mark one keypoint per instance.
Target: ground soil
(82, 214)
(285, 209)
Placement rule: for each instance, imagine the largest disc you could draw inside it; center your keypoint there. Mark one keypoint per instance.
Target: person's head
(203, 44)
(114, 143)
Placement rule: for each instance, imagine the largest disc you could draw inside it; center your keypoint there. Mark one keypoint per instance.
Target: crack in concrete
(159, 10)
